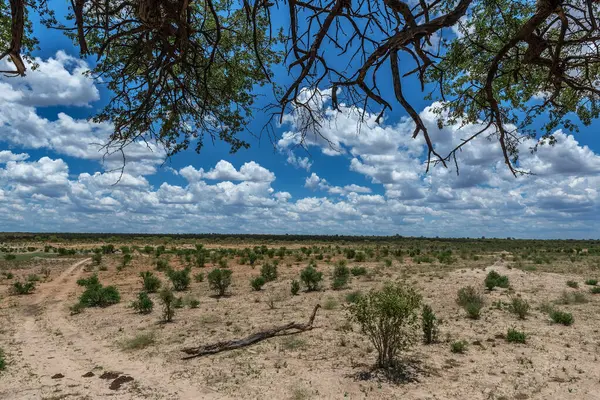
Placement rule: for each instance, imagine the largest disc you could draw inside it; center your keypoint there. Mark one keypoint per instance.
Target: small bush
(561, 317)
(591, 282)
(269, 272)
(572, 298)
(429, 324)
(295, 287)
(219, 280)
(494, 279)
(194, 303)
(595, 290)
(257, 283)
(471, 301)
(96, 295)
(341, 276)
(33, 278)
(458, 347)
(167, 299)
(360, 256)
(519, 307)
(389, 318)
(23, 288)
(353, 297)
(178, 303)
(97, 258)
(10, 257)
(150, 282)
(2, 360)
(76, 308)
(330, 303)
(358, 271)
(181, 279)
(143, 304)
(311, 278)
(138, 342)
(162, 264)
(572, 284)
(9, 275)
(199, 277)
(515, 336)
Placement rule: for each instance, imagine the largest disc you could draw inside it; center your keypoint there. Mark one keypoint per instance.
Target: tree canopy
(181, 70)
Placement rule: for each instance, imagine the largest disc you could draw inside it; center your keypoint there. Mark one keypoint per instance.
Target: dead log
(287, 329)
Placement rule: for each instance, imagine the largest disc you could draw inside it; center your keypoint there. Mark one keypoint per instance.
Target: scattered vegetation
(515, 336)
(358, 271)
(572, 284)
(219, 280)
(389, 319)
(429, 324)
(561, 317)
(295, 287)
(471, 301)
(494, 279)
(354, 296)
(341, 276)
(311, 278)
(459, 347)
(167, 299)
(96, 295)
(143, 304)
(23, 288)
(257, 283)
(139, 342)
(591, 282)
(269, 272)
(150, 282)
(181, 279)
(519, 307)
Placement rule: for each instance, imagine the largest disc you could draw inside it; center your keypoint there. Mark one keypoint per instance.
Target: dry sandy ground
(41, 339)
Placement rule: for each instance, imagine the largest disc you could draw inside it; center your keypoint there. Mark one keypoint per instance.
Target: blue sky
(52, 177)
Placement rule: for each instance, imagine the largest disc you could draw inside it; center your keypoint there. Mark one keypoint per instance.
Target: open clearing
(119, 353)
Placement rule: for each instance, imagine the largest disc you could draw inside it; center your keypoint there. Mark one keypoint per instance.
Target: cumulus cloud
(225, 171)
(61, 81)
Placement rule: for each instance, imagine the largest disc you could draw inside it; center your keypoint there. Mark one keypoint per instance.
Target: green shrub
(269, 272)
(96, 295)
(9, 275)
(97, 258)
(358, 271)
(257, 283)
(2, 360)
(515, 336)
(23, 288)
(595, 290)
(162, 264)
(459, 346)
(167, 299)
(178, 302)
(10, 257)
(126, 260)
(429, 324)
(360, 256)
(194, 303)
(389, 318)
(494, 279)
(354, 296)
(561, 317)
(572, 284)
(219, 280)
(591, 282)
(150, 282)
(519, 307)
(181, 279)
(330, 303)
(295, 287)
(471, 301)
(311, 278)
(138, 342)
(341, 276)
(199, 277)
(143, 304)
(33, 278)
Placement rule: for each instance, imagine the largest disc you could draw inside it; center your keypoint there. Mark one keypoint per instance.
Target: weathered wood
(287, 329)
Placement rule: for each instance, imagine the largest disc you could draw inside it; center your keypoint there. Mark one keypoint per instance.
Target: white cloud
(224, 171)
(7, 155)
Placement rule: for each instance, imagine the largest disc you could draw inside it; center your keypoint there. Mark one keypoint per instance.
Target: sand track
(48, 343)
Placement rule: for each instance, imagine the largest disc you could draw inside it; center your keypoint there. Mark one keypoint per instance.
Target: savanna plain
(160, 317)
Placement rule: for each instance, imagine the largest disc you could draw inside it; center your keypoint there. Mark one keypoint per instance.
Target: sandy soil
(50, 353)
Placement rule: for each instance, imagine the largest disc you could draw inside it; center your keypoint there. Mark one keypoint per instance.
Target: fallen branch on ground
(218, 347)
